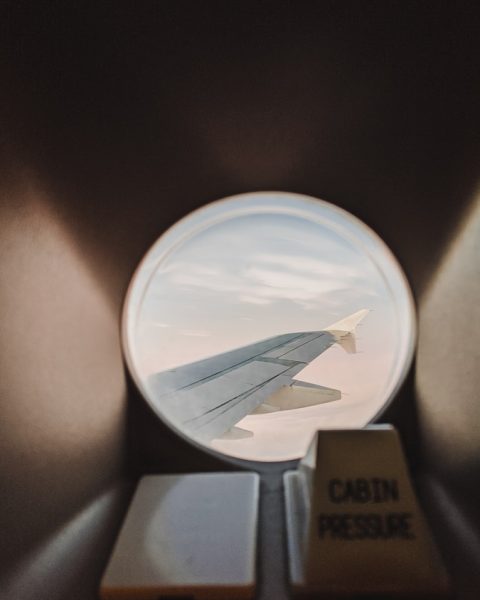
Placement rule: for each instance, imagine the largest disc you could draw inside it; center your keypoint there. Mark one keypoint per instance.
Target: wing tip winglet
(344, 330)
(348, 324)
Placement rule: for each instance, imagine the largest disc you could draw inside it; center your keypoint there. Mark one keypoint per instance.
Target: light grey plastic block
(187, 536)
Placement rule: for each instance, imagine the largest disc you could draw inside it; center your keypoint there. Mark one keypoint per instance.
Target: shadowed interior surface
(117, 121)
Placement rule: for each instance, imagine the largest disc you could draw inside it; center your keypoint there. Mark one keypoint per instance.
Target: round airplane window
(258, 319)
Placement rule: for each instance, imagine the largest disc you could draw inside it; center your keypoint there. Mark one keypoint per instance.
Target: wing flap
(300, 396)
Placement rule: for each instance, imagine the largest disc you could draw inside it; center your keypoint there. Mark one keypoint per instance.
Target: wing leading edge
(206, 398)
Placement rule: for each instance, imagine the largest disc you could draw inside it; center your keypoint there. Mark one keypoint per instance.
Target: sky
(255, 276)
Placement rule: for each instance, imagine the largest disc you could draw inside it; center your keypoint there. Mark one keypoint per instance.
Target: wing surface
(206, 398)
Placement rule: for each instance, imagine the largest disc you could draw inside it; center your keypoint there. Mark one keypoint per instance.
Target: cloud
(312, 266)
(224, 283)
(301, 280)
(254, 300)
(286, 284)
(194, 332)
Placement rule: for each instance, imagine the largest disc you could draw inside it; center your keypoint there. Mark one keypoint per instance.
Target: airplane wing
(206, 398)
